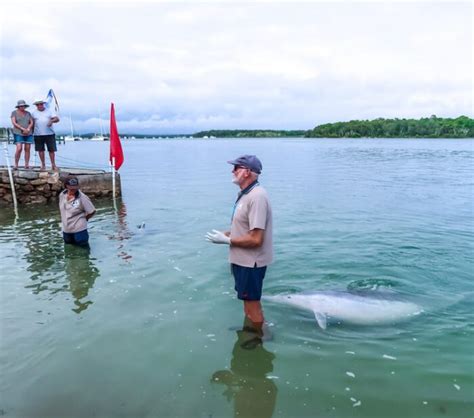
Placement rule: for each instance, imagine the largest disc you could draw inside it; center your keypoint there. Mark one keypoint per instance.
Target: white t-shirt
(42, 120)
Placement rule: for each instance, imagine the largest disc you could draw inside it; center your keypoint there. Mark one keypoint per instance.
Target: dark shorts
(248, 281)
(49, 140)
(77, 238)
(22, 139)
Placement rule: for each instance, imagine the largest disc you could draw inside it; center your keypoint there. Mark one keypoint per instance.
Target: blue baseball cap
(248, 161)
(72, 182)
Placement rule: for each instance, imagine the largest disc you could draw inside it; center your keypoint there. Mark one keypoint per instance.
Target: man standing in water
(249, 238)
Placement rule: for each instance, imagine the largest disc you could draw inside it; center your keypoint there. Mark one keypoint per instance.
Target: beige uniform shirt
(73, 213)
(252, 211)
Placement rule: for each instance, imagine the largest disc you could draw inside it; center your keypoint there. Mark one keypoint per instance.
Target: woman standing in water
(76, 209)
(22, 122)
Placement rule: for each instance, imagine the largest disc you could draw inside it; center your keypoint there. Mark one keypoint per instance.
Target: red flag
(115, 145)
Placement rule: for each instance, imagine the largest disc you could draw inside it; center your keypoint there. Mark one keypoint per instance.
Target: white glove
(217, 237)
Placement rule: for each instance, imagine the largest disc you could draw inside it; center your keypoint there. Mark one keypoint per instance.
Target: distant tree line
(433, 127)
(245, 133)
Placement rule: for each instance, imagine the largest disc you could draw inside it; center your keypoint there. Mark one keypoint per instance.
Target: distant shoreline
(432, 127)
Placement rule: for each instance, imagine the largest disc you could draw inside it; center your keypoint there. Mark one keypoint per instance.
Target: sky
(182, 67)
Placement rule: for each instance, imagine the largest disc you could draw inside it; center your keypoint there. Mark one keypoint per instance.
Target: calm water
(145, 324)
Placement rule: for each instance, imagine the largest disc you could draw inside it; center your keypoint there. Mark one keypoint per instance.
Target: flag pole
(116, 153)
(113, 183)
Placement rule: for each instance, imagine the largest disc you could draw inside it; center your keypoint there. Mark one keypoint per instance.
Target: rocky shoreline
(36, 187)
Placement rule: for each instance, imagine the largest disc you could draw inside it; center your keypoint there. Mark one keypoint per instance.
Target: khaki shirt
(252, 211)
(73, 213)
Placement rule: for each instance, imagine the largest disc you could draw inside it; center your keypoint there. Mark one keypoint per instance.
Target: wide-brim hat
(39, 101)
(21, 103)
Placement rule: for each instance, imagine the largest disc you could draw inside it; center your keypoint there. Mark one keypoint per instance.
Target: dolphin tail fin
(321, 319)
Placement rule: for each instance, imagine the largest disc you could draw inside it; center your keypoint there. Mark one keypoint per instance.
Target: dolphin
(363, 308)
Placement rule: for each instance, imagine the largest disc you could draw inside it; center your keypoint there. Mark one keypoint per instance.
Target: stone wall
(33, 186)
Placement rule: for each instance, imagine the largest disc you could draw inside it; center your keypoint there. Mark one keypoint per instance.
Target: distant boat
(72, 137)
(100, 137)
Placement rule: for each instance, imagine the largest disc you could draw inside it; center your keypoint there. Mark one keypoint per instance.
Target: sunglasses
(236, 167)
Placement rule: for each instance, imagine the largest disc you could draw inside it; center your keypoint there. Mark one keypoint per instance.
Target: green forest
(432, 127)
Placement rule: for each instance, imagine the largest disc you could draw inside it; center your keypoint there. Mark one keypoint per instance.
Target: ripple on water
(368, 215)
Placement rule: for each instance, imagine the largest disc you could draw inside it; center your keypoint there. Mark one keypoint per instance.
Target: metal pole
(10, 175)
(113, 182)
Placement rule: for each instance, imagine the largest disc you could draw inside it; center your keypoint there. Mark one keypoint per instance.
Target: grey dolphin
(356, 308)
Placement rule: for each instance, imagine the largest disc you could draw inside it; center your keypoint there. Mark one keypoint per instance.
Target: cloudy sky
(181, 67)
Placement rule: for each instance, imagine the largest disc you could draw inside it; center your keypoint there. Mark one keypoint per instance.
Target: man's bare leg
(253, 310)
(43, 162)
(53, 160)
(255, 321)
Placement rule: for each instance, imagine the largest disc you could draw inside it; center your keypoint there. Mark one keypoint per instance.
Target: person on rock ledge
(22, 122)
(44, 133)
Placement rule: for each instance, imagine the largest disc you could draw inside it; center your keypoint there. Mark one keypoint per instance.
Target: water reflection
(121, 232)
(44, 255)
(54, 267)
(35, 242)
(246, 382)
(81, 274)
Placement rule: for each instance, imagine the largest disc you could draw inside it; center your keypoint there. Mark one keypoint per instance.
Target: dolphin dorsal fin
(321, 319)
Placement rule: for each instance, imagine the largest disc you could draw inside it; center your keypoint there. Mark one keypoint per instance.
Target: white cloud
(182, 67)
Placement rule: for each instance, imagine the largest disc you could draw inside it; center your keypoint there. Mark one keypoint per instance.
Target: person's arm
(30, 124)
(53, 119)
(88, 206)
(252, 239)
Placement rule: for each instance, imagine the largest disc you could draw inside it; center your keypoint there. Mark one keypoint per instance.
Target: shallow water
(146, 324)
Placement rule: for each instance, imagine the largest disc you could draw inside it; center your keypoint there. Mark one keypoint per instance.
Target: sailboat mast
(72, 128)
(101, 127)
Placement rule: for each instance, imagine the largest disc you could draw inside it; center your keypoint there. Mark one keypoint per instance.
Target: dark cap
(72, 182)
(248, 161)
